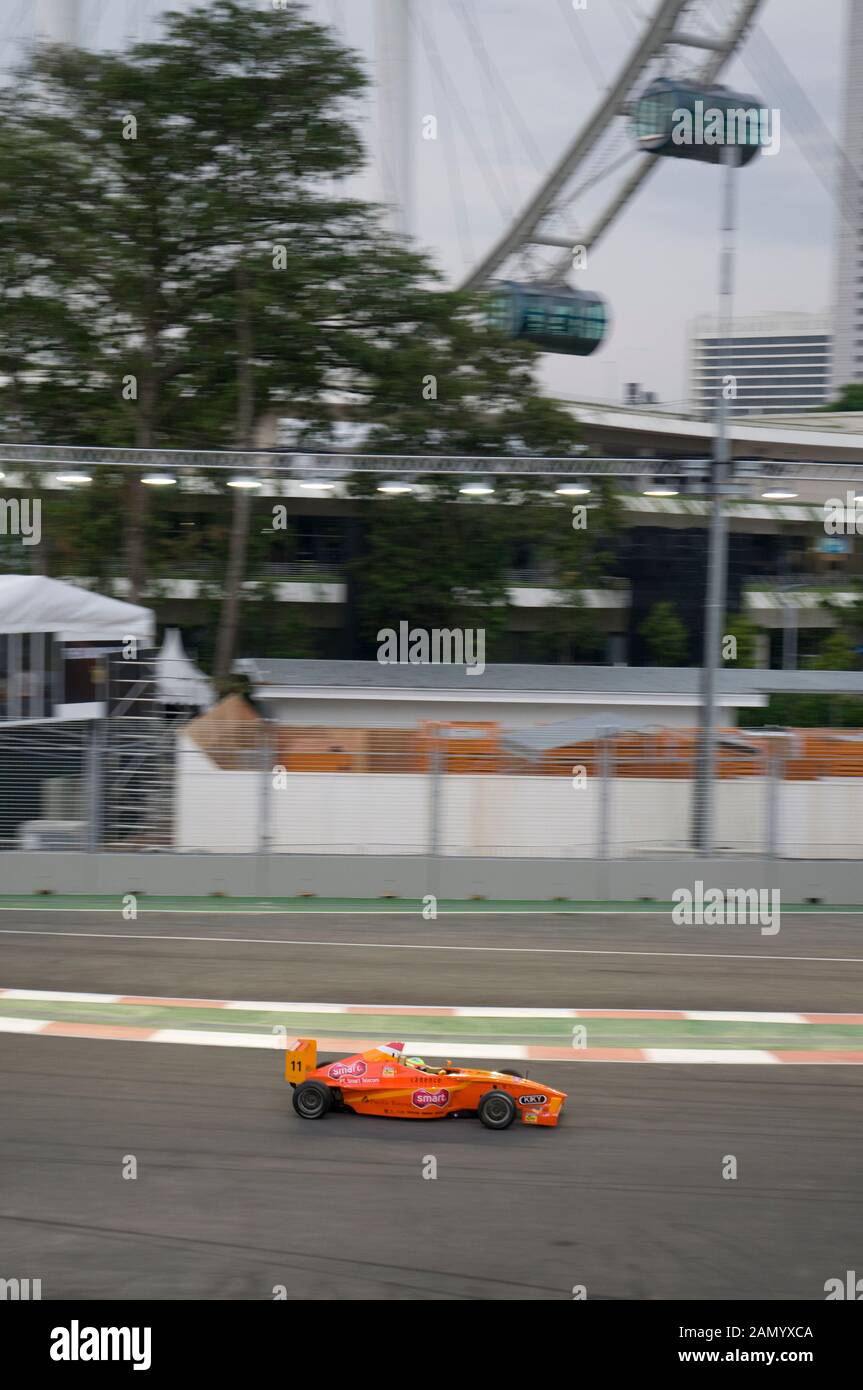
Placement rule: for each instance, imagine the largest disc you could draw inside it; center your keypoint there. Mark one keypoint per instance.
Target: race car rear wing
(301, 1057)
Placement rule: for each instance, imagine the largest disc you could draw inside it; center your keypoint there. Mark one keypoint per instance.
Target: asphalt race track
(235, 1196)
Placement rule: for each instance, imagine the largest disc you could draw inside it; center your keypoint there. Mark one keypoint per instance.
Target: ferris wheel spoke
(677, 30)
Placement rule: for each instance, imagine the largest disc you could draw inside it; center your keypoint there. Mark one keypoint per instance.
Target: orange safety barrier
(804, 755)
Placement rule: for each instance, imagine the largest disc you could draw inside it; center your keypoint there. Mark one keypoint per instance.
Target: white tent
(32, 603)
(178, 680)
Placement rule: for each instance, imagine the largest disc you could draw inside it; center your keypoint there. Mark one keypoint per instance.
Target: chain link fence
(140, 781)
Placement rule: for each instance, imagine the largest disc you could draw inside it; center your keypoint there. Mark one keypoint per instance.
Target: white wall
(499, 816)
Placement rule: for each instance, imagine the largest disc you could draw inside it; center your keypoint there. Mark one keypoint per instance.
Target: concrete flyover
(834, 437)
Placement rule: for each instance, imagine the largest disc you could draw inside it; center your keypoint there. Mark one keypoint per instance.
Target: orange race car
(383, 1082)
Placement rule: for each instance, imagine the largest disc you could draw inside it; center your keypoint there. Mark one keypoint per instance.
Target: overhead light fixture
(572, 490)
(778, 494)
(661, 492)
(159, 480)
(393, 487)
(314, 484)
(74, 478)
(244, 482)
(477, 489)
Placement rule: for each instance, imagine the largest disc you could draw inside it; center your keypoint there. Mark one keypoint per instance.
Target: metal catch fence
(232, 783)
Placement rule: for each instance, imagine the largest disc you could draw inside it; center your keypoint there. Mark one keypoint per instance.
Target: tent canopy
(178, 680)
(32, 603)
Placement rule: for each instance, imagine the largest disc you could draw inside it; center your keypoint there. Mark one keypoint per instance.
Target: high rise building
(848, 286)
(780, 363)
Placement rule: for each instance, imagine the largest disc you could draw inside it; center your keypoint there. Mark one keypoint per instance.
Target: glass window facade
(667, 107)
(554, 318)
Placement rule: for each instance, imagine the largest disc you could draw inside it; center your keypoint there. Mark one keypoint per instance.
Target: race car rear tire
(312, 1100)
(496, 1109)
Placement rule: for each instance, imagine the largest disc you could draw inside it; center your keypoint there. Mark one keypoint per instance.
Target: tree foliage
(179, 262)
(437, 560)
(665, 634)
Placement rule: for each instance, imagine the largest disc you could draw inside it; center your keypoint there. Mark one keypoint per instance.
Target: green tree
(666, 636)
(432, 560)
(743, 630)
(173, 169)
(836, 653)
(850, 398)
(437, 559)
(210, 272)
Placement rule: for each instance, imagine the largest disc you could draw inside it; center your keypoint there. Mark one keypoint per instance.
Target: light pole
(717, 545)
(670, 119)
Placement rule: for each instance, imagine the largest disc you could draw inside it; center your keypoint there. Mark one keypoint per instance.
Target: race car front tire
(496, 1109)
(312, 1100)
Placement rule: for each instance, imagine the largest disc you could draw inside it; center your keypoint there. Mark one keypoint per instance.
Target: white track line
(733, 1056)
(411, 946)
(472, 1051)
(355, 1010)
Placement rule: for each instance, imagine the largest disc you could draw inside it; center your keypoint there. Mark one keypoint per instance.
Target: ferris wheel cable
(765, 62)
(12, 26)
(453, 174)
(585, 48)
(632, 23)
(603, 160)
(766, 65)
(462, 115)
(89, 28)
(501, 88)
(655, 37)
(723, 48)
(491, 92)
(130, 22)
(625, 157)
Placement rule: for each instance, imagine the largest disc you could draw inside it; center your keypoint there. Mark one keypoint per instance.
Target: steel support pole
(265, 790)
(717, 549)
(267, 772)
(604, 817)
(435, 773)
(789, 633)
(772, 787)
(96, 784)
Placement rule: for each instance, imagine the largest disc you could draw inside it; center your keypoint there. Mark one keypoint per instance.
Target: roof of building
(276, 676)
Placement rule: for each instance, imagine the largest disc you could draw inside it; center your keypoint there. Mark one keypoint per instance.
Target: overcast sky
(657, 265)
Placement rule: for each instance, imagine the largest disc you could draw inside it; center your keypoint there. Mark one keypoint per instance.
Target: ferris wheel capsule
(555, 318)
(686, 121)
